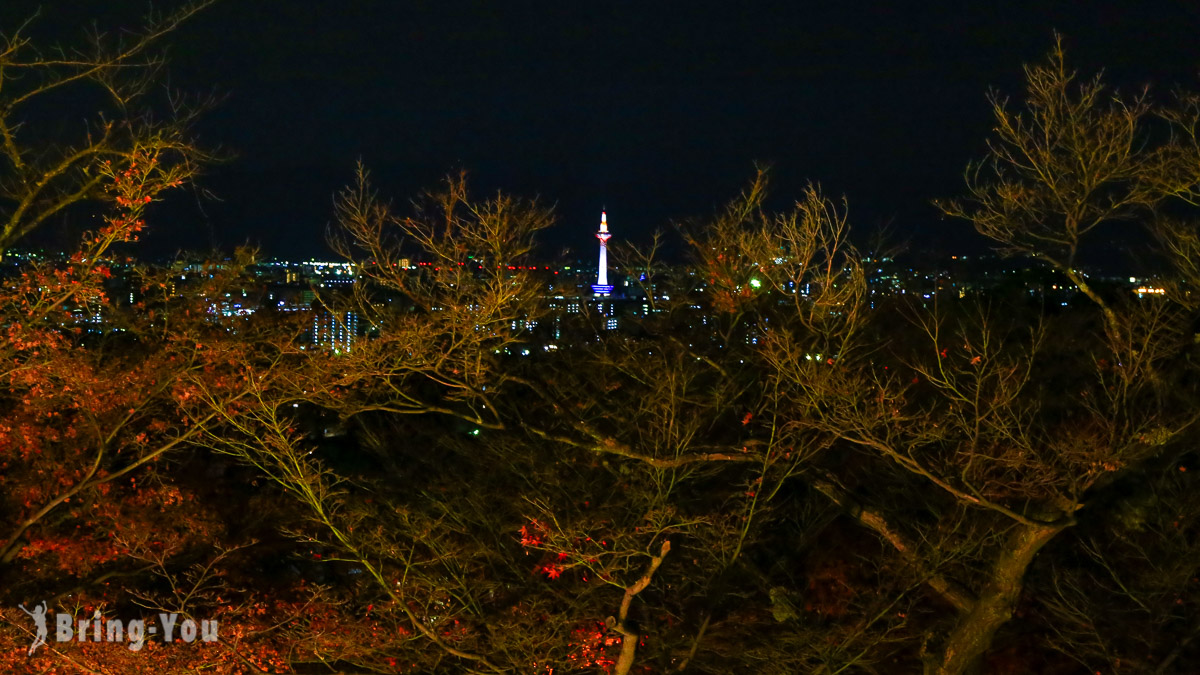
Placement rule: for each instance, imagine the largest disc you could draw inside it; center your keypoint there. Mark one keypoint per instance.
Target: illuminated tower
(602, 288)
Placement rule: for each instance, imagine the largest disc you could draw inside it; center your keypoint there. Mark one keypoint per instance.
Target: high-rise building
(602, 288)
(334, 330)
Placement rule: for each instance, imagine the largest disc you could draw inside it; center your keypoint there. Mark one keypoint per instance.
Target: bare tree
(50, 160)
(978, 428)
(1076, 156)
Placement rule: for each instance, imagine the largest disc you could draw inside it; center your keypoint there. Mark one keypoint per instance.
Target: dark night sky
(656, 109)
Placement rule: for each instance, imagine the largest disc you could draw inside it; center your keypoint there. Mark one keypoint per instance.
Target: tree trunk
(974, 631)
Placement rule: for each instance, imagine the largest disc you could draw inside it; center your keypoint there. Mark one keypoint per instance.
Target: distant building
(334, 330)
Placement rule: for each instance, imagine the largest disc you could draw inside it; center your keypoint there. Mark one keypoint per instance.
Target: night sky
(657, 110)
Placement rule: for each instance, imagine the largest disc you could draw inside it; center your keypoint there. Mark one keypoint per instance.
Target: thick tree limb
(629, 640)
(953, 592)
